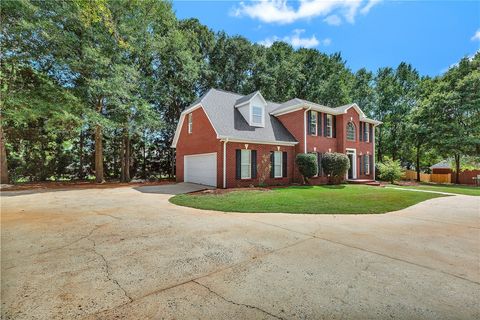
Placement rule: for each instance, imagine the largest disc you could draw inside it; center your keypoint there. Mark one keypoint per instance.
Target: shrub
(390, 170)
(307, 165)
(335, 165)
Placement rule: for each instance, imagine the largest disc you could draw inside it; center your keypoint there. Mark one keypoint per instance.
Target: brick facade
(203, 139)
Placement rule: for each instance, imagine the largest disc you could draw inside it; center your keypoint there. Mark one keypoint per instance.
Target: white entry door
(201, 169)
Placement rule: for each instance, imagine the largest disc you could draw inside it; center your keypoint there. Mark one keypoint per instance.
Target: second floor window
(350, 131)
(329, 126)
(190, 123)
(313, 123)
(366, 135)
(257, 115)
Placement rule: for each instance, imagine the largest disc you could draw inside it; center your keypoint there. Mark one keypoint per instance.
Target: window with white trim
(329, 125)
(313, 123)
(257, 115)
(278, 163)
(367, 164)
(246, 164)
(190, 123)
(366, 136)
(350, 131)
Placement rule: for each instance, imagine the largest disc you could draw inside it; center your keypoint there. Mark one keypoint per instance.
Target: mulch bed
(80, 185)
(223, 191)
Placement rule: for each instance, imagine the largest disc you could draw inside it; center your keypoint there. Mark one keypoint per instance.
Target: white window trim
(314, 115)
(278, 164)
(262, 123)
(242, 164)
(329, 126)
(190, 123)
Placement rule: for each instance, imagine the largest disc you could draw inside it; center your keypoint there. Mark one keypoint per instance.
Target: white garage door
(201, 168)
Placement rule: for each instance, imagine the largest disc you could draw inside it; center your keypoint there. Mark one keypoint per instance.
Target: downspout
(305, 128)
(374, 155)
(225, 163)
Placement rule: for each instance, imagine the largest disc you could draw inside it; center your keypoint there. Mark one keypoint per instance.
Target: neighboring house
(229, 140)
(442, 167)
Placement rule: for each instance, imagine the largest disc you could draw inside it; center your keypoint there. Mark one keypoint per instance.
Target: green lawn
(343, 199)
(467, 190)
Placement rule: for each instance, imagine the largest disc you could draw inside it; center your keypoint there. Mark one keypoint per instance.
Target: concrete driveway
(127, 253)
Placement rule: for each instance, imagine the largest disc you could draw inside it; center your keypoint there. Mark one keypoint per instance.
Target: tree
(455, 103)
(390, 170)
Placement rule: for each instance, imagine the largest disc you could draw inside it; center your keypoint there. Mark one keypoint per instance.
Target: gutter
(305, 128)
(225, 163)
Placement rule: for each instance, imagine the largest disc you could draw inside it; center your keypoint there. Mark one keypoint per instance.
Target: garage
(201, 168)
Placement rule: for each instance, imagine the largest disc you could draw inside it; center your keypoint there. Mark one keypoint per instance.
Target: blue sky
(431, 35)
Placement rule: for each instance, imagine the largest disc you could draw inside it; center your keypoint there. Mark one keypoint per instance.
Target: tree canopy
(94, 89)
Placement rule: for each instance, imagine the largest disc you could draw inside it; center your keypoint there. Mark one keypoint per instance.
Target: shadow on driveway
(173, 189)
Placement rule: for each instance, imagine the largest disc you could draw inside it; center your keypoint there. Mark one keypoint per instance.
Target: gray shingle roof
(444, 164)
(229, 122)
(245, 98)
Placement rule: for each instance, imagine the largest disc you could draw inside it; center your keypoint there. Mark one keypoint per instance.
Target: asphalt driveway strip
(127, 253)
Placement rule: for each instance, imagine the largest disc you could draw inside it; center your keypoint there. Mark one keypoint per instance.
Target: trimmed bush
(335, 165)
(307, 165)
(390, 170)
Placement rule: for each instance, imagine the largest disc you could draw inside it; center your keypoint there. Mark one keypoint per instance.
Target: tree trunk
(127, 157)
(4, 179)
(81, 174)
(144, 164)
(99, 148)
(457, 168)
(122, 160)
(417, 163)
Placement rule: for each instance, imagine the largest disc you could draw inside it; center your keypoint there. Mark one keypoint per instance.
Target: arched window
(350, 131)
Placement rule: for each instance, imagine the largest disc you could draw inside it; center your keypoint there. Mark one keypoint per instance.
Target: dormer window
(257, 115)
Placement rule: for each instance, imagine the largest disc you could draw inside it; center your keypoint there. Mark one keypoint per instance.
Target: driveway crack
(236, 303)
(107, 271)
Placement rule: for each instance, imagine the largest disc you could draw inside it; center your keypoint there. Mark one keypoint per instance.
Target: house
(443, 167)
(230, 140)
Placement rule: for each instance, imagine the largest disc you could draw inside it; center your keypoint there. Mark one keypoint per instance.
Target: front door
(350, 170)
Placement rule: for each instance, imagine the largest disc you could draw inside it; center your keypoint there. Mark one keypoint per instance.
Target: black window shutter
(365, 164)
(319, 124)
(272, 162)
(365, 133)
(284, 164)
(360, 166)
(325, 124)
(370, 136)
(309, 122)
(360, 135)
(334, 126)
(371, 165)
(254, 164)
(238, 157)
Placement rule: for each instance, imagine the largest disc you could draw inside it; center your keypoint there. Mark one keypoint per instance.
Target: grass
(342, 199)
(466, 190)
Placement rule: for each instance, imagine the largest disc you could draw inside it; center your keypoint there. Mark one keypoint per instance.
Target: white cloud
(370, 5)
(280, 11)
(333, 20)
(296, 40)
(476, 36)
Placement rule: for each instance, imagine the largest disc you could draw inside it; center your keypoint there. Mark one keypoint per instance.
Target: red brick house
(229, 140)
